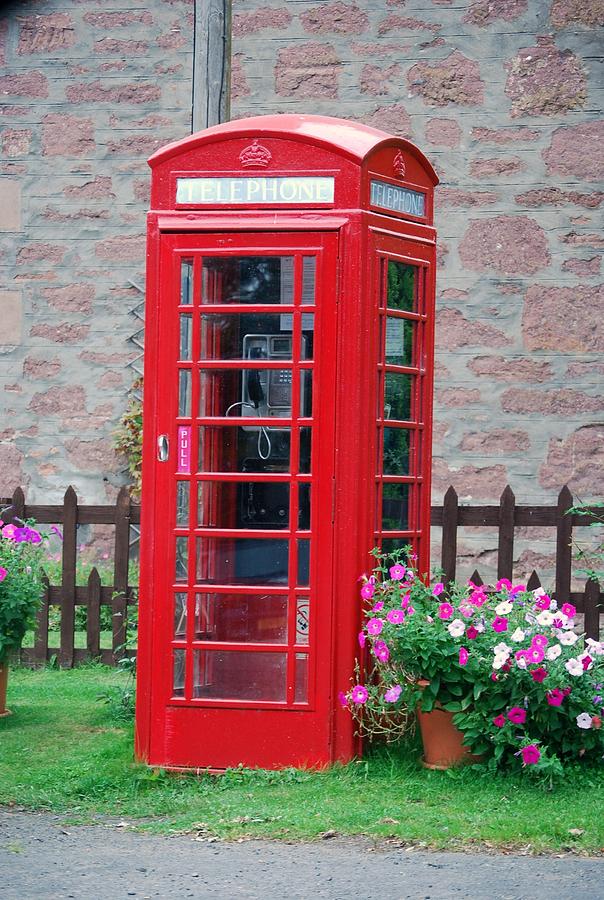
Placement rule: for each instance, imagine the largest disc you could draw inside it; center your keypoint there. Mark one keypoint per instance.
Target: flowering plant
(21, 585)
(524, 687)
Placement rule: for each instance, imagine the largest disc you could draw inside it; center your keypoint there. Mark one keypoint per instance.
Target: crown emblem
(255, 155)
(398, 164)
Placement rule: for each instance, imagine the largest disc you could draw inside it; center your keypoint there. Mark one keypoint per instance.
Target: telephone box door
(243, 494)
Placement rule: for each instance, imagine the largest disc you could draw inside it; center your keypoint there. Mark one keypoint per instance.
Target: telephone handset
(269, 391)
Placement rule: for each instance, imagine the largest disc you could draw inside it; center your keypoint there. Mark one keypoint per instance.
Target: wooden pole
(211, 63)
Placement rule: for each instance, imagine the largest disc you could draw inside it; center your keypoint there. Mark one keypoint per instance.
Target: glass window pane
(389, 545)
(237, 449)
(306, 393)
(397, 396)
(395, 507)
(401, 293)
(248, 279)
(302, 619)
(180, 616)
(303, 562)
(305, 450)
(182, 559)
(245, 336)
(186, 337)
(251, 504)
(395, 452)
(241, 618)
(304, 506)
(301, 686)
(309, 277)
(242, 560)
(265, 393)
(308, 336)
(182, 504)
(178, 673)
(184, 392)
(399, 349)
(239, 675)
(186, 282)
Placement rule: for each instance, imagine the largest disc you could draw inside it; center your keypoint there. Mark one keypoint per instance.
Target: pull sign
(183, 464)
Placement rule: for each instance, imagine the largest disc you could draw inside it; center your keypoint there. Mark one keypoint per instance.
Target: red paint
(289, 362)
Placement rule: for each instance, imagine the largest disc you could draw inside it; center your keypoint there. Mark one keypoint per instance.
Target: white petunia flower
(584, 720)
(503, 608)
(568, 638)
(583, 657)
(595, 648)
(573, 667)
(545, 617)
(517, 636)
(500, 660)
(538, 592)
(521, 662)
(502, 649)
(553, 652)
(456, 628)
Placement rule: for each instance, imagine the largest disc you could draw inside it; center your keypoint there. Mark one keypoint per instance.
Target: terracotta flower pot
(3, 679)
(442, 740)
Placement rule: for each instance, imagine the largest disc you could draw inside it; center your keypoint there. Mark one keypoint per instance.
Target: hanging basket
(3, 680)
(442, 740)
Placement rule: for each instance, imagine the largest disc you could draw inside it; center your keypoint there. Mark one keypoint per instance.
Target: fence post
(505, 550)
(93, 615)
(41, 639)
(534, 582)
(564, 536)
(68, 577)
(120, 572)
(592, 609)
(449, 535)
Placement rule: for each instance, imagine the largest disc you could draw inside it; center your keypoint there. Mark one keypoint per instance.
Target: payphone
(287, 428)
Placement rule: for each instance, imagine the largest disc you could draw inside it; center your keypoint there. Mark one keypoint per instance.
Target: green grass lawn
(64, 750)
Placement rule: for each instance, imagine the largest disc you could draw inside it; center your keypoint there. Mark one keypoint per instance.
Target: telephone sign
(287, 428)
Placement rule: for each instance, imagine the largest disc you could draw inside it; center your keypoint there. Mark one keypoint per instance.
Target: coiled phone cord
(262, 431)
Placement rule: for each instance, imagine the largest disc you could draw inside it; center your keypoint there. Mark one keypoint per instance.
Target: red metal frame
(352, 242)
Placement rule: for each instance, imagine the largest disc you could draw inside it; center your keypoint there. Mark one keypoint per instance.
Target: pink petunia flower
(499, 721)
(503, 583)
(463, 656)
(555, 697)
(471, 633)
(405, 601)
(9, 532)
(530, 755)
(539, 674)
(395, 616)
(438, 589)
(568, 610)
(397, 572)
(518, 589)
(359, 694)
(343, 699)
(374, 626)
(410, 610)
(517, 715)
(362, 639)
(381, 651)
(535, 655)
(543, 602)
(393, 693)
(445, 611)
(540, 640)
(378, 606)
(478, 597)
(500, 623)
(3, 573)
(367, 591)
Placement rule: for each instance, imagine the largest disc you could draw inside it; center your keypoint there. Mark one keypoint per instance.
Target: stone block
(10, 205)
(11, 315)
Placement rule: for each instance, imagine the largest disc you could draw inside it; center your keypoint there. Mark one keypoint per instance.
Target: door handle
(163, 448)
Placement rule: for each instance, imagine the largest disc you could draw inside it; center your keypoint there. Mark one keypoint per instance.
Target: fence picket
(564, 536)
(449, 535)
(505, 551)
(120, 572)
(41, 638)
(591, 611)
(534, 581)
(68, 577)
(93, 617)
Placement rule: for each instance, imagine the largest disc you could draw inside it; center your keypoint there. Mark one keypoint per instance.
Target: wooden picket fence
(121, 597)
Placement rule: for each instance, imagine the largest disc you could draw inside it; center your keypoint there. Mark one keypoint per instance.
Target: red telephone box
(288, 400)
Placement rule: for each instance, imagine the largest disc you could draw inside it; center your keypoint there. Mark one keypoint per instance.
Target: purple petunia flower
(397, 572)
(395, 616)
(393, 693)
(374, 626)
(359, 694)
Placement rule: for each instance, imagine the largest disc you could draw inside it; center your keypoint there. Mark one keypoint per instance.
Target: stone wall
(88, 92)
(502, 96)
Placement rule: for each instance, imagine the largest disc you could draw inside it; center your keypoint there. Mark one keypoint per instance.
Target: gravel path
(42, 858)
